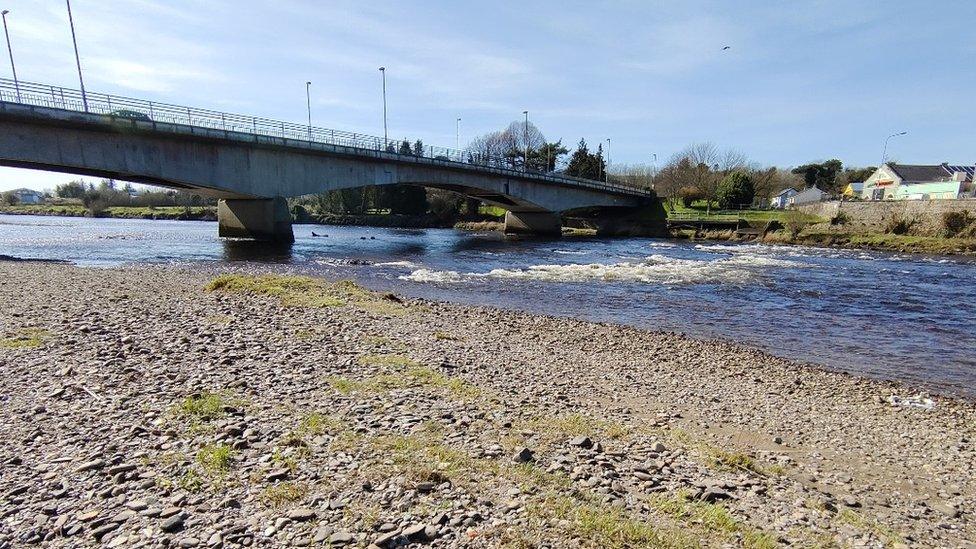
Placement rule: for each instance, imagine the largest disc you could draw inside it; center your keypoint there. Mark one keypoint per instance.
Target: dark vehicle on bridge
(131, 115)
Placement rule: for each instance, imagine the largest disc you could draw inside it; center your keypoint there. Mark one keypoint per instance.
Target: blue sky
(802, 81)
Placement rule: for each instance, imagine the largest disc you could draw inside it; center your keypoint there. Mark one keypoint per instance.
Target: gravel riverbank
(142, 410)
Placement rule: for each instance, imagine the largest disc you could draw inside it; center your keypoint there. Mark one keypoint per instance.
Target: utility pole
(457, 134)
(308, 102)
(525, 136)
(385, 134)
(11, 52)
(74, 39)
(608, 161)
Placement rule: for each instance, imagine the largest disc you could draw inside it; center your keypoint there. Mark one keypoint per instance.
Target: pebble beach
(174, 407)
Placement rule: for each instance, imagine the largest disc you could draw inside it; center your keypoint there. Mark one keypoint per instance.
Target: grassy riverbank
(268, 410)
(884, 242)
(205, 213)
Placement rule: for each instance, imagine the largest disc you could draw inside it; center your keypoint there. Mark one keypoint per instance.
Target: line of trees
(107, 194)
(727, 179)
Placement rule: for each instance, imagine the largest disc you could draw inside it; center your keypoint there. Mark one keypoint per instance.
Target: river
(900, 317)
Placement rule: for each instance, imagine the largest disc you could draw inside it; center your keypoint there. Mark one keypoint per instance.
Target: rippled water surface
(900, 317)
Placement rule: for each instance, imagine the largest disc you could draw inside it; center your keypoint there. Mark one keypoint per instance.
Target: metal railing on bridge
(57, 97)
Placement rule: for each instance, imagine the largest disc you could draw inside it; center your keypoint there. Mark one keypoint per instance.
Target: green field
(121, 212)
(699, 210)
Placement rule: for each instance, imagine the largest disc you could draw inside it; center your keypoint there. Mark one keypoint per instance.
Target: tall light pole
(608, 160)
(308, 102)
(457, 134)
(884, 155)
(11, 52)
(385, 135)
(74, 39)
(525, 136)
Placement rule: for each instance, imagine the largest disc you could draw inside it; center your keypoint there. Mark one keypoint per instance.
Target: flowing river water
(901, 317)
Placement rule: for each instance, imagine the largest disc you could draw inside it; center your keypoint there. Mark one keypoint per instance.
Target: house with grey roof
(28, 196)
(809, 195)
(894, 181)
(783, 198)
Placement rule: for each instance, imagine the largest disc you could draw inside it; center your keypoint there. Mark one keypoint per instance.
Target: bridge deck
(168, 118)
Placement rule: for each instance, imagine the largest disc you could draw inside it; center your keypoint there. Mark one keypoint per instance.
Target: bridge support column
(266, 219)
(537, 223)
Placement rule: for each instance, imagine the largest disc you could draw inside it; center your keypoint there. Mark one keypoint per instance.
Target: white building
(27, 196)
(808, 196)
(916, 182)
(781, 200)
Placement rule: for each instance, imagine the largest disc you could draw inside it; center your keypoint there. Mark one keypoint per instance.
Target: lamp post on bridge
(608, 162)
(884, 154)
(525, 135)
(11, 52)
(386, 138)
(74, 40)
(457, 134)
(308, 102)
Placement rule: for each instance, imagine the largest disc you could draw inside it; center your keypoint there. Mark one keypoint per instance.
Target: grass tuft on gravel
(203, 407)
(282, 494)
(26, 338)
(308, 292)
(215, 459)
(712, 518)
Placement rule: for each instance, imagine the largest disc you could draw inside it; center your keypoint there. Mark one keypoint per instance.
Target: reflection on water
(897, 317)
(266, 252)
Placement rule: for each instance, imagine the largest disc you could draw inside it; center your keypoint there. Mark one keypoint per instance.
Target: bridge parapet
(164, 117)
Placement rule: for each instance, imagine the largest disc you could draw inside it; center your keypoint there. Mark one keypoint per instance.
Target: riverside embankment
(153, 406)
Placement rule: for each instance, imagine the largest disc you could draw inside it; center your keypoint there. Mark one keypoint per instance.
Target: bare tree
(634, 175)
(703, 159)
(670, 179)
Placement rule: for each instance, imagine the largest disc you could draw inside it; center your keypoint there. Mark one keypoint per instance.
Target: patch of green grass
(203, 407)
(343, 385)
(736, 461)
(866, 524)
(712, 518)
(282, 494)
(308, 292)
(25, 338)
(387, 361)
(215, 458)
(294, 291)
(191, 481)
(446, 336)
(456, 386)
(281, 459)
(574, 425)
(597, 525)
(317, 424)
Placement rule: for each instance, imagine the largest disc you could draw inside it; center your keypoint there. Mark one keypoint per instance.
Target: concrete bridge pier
(264, 219)
(534, 223)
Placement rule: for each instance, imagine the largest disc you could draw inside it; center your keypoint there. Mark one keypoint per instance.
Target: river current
(901, 317)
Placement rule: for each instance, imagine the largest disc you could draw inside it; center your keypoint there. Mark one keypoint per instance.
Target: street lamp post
(74, 40)
(525, 136)
(308, 102)
(608, 161)
(457, 134)
(11, 52)
(884, 154)
(385, 134)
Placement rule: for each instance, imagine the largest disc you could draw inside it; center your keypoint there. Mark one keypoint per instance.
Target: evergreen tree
(418, 147)
(579, 163)
(736, 191)
(405, 148)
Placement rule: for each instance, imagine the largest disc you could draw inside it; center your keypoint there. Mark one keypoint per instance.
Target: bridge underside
(253, 174)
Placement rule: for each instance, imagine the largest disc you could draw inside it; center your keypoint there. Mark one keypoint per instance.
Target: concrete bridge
(252, 164)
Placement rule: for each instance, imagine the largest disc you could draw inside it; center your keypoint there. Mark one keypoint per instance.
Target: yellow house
(853, 190)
